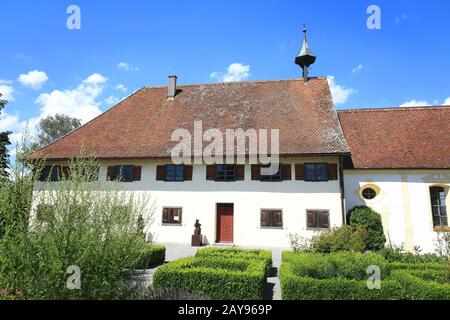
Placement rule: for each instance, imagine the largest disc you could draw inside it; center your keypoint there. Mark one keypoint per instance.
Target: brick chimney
(172, 87)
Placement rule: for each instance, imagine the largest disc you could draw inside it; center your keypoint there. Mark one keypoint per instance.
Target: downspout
(342, 186)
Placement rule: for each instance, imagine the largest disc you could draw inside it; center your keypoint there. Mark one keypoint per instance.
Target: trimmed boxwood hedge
(217, 277)
(264, 255)
(342, 275)
(152, 254)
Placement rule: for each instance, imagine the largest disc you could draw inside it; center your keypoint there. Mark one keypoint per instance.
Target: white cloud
(447, 102)
(235, 72)
(34, 79)
(95, 79)
(401, 18)
(9, 122)
(112, 100)
(126, 66)
(415, 103)
(121, 87)
(80, 102)
(7, 90)
(358, 68)
(340, 94)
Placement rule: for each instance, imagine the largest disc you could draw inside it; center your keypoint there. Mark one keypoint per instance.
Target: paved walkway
(175, 252)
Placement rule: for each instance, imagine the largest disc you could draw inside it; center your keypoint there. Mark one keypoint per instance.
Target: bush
(261, 255)
(151, 255)
(297, 287)
(370, 220)
(216, 277)
(398, 254)
(85, 224)
(340, 239)
(346, 265)
(337, 276)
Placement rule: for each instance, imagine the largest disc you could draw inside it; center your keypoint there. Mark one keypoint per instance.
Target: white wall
(403, 202)
(199, 197)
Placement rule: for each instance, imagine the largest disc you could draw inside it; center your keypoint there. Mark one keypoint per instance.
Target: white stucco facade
(198, 199)
(403, 200)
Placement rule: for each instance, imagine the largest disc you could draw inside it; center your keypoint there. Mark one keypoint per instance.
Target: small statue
(198, 229)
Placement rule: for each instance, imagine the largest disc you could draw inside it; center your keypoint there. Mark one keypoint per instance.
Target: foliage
(219, 274)
(260, 255)
(343, 238)
(299, 243)
(399, 254)
(151, 255)
(87, 224)
(4, 142)
(370, 220)
(52, 128)
(337, 276)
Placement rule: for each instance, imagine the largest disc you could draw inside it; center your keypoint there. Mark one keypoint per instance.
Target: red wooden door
(225, 223)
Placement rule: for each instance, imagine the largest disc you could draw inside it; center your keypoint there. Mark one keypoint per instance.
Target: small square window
(315, 172)
(225, 172)
(271, 178)
(271, 218)
(174, 172)
(318, 219)
(50, 173)
(172, 216)
(124, 173)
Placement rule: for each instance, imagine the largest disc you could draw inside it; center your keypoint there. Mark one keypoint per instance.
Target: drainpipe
(342, 186)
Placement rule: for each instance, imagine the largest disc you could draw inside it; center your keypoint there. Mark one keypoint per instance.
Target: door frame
(216, 238)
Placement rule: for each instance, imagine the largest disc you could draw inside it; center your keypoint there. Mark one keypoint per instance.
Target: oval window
(369, 193)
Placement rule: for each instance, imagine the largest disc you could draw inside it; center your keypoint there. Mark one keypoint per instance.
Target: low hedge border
(295, 287)
(263, 255)
(341, 276)
(152, 255)
(216, 277)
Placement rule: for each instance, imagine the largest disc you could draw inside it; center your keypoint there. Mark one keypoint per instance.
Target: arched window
(438, 207)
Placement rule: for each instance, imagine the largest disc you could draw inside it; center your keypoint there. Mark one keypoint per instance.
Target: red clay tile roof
(401, 138)
(141, 126)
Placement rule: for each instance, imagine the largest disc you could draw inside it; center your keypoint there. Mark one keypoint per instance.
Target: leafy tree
(52, 128)
(4, 142)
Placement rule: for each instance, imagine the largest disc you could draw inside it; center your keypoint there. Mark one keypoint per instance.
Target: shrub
(423, 285)
(261, 255)
(399, 254)
(346, 265)
(86, 224)
(343, 276)
(215, 277)
(340, 239)
(151, 255)
(370, 220)
(297, 287)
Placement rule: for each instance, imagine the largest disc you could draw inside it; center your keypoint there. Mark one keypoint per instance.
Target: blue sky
(123, 45)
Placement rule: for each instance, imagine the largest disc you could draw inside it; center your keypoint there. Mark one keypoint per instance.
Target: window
(271, 178)
(172, 216)
(369, 193)
(50, 173)
(271, 218)
(174, 172)
(225, 172)
(316, 172)
(317, 219)
(438, 207)
(124, 173)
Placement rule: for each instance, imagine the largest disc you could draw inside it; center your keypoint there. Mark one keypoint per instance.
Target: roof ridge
(417, 108)
(234, 82)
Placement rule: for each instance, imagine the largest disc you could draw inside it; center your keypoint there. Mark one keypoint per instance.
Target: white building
(394, 160)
